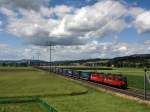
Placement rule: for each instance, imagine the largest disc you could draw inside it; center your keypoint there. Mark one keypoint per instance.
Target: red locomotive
(97, 77)
(110, 79)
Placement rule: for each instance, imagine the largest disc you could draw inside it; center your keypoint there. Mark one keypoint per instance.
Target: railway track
(130, 92)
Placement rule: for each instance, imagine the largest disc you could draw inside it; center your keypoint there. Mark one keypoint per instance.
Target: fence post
(145, 83)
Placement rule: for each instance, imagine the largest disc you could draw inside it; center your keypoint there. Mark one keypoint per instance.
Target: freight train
(114, 80)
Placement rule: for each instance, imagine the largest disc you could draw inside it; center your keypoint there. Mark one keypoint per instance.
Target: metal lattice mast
(50, 57)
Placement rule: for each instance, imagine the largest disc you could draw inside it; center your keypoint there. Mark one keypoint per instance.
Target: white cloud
(25, 4)
(1, 23)
(142, 22)
(7, 12)
(135, 11)
(82, 28)
(60, 10)
(123, 48)
(7, 52)
(100, 50)
(3, 46)
(73, 27)
(147, 42)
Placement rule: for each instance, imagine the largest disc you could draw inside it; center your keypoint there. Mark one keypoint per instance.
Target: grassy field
(96, 101)
(22, 107)
(58, 92)
(29, 82)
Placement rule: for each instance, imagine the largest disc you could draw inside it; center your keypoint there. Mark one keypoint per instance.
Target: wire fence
(44, 104)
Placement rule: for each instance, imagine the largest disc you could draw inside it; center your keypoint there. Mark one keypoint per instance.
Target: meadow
(31, 82)
(22, 107)
(64, 95)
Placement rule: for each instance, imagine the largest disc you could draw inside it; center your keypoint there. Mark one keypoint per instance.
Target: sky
(77, 29)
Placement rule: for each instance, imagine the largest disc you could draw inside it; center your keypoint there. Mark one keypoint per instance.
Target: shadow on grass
(48, 95)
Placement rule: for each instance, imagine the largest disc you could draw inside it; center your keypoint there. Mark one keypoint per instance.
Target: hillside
(136, 60)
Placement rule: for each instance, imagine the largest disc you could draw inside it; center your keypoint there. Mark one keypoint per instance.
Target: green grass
(32, 82)
(22, 107)
(84, 67)
(56, 91)
(96, 101)
(16, 69)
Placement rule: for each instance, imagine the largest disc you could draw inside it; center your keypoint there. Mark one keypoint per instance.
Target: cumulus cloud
(26, 4)
(59, 11)
(142, 22)
(141, 19)
(135, 11)
(72, 27)
(76, 31)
